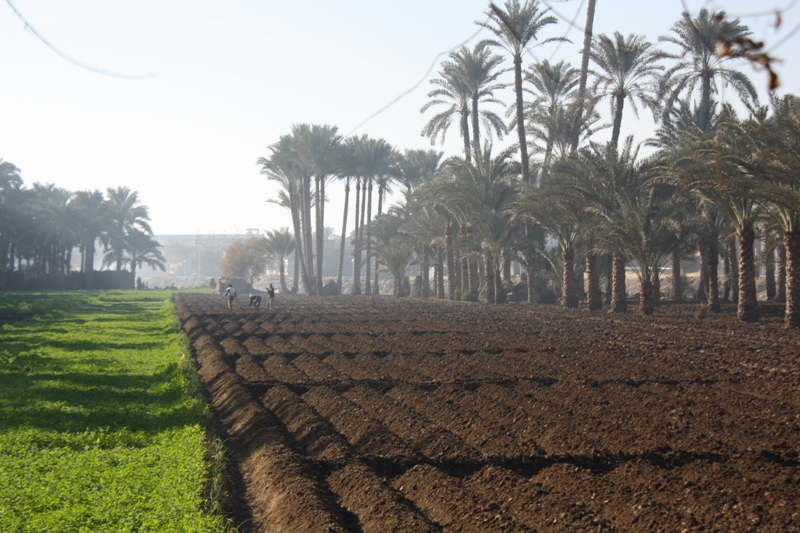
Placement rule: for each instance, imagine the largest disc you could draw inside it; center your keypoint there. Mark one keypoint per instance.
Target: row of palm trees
(41, 226)
(713, 183)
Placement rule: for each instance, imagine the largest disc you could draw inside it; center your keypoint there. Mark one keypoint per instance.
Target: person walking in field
(271, 294)
(255, 301)
(230, 292)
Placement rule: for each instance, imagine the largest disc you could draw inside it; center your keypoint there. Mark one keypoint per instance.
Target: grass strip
(97, 429)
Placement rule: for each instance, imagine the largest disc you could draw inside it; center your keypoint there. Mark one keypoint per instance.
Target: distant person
(271, 294)
(230, 292)
(255, 301)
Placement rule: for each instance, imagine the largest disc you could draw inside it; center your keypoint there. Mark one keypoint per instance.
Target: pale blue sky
(231, 77)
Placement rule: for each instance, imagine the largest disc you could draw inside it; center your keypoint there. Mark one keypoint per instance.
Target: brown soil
(385, 415)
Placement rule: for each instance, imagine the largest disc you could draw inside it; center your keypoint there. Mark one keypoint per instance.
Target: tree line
(558, 202)
(42, 226)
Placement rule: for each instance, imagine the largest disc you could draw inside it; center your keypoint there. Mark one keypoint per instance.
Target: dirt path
(387, 415)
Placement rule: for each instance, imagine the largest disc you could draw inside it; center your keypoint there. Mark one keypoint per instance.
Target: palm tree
(478, 71)
(628, 68)
(141, 249)
(319, 153)
(418, 167)
(92, 221)
(698, 63)
(392, 247)
(725, 170)
(280, 245)
(126, 215)
(375, 161)
(10, 191)
(481, 192)
(283, 167)
(553, 209)
(516, 27)
(584, 76)
(553, 89)
(780, 192)
(451, 91)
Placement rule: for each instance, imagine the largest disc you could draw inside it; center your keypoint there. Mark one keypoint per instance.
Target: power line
(414, 87)
(72, 60)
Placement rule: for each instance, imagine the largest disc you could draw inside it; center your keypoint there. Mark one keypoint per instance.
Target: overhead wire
(414, 87)
(29, 27)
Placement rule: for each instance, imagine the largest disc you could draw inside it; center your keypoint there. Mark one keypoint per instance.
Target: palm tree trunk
(439, 273)
(499, 292)
(474, 276)
(344, 234)
(619, 298)
(320, 186)
(425, 269)
(377, 288)
(357, 239)
(569, 297)
(367, 271)
(282, 275)
(451, 267)
(615, 131)
(490, 275)
(713, 277)
(769, 268)
(299, 256)
(523, 144)
(780, 289)
(465, 132)
(726, 274)
(586, 53)
(646, 300)
(702, 285)
(463, 263)
(308, 256)
(608, 268)
(677, 282)
(506, 268)
(748, 304)
(734, 269)
(476, 135)
(595, 297)
(296, 271)
(657, 286)
(792, 245)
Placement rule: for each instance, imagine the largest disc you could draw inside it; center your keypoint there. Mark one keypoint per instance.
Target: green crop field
(97, 429)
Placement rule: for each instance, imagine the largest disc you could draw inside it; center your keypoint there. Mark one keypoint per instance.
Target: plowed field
(383, 415)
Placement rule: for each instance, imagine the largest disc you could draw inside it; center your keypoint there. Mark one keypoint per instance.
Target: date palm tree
(279, 245)
(478, 71)
(699, 66)
(584, 75)
(628, 69)
(450, 91)
(126, 215)
(10, 192)
(481, 191)
(552, 86)
(283, 168)
(141, 249)
(92, 221)
(319, 153)
(418, 167)
(726, 170)
(780, 192)
(516, 27)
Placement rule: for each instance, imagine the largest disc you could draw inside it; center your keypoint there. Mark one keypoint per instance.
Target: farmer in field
(255, 301)
(230, 292)
(271, 294)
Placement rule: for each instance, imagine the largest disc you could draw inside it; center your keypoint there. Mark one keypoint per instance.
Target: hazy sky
(227, 78)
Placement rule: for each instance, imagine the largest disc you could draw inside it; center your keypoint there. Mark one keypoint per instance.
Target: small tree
(246, 259)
